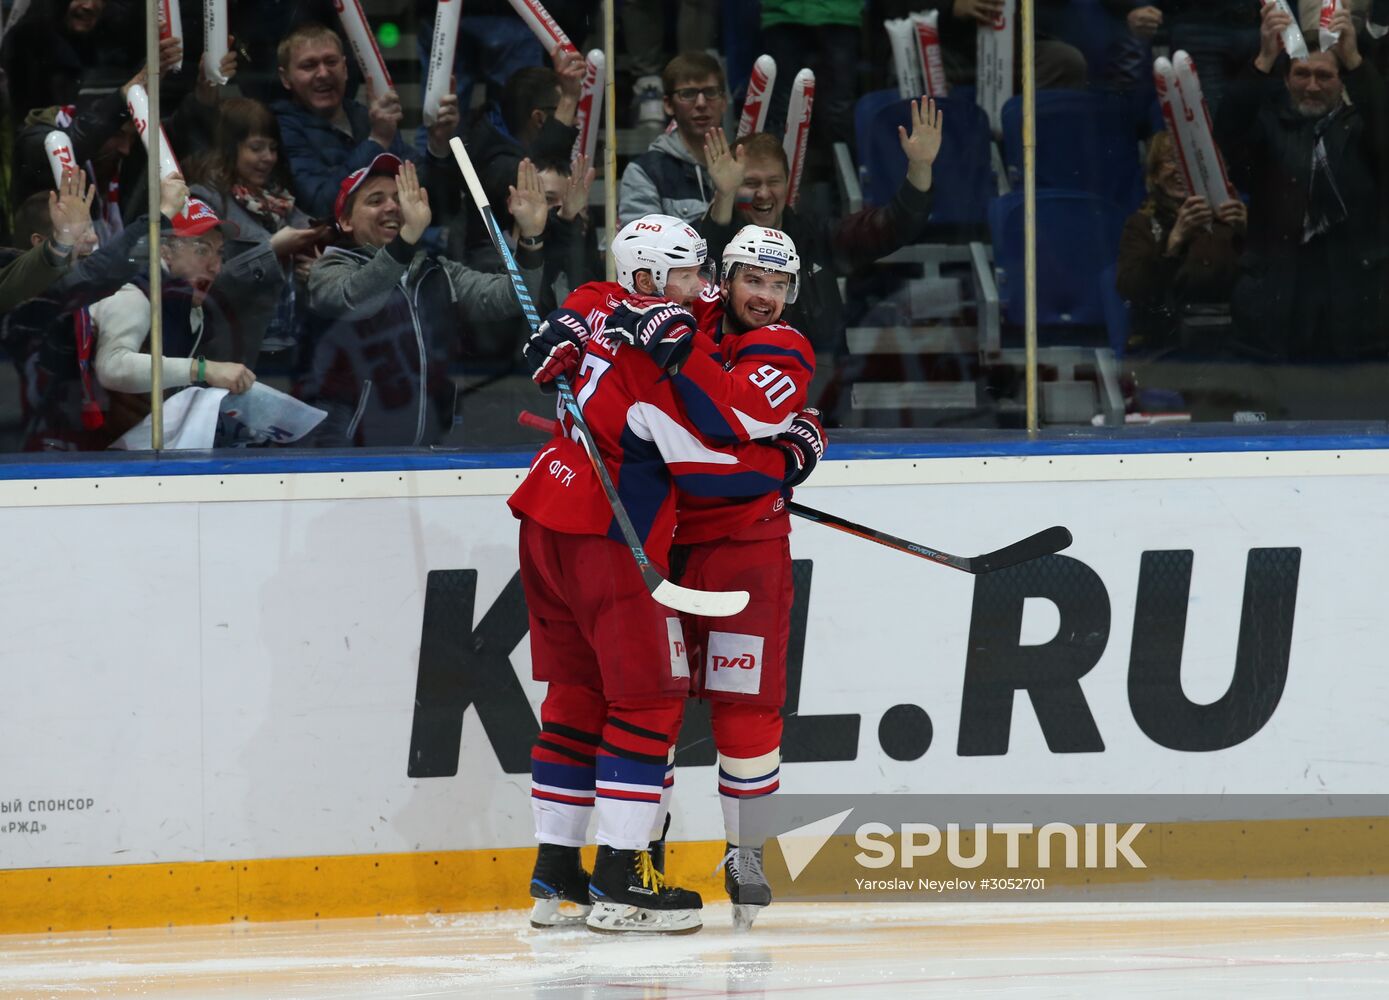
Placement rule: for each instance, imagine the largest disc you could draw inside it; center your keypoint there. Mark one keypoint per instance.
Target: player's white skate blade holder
(744, 914)
(620, 918)
(558, 912)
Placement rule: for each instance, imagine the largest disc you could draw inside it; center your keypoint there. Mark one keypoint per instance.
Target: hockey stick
(1043, 543)
(713, 604)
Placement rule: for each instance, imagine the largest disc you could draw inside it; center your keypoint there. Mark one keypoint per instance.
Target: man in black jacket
(538, 107)
(1311, 286)
(534, 121)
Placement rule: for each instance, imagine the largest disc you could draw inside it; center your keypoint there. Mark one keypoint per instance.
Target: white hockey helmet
(769, 249)
(656, 243)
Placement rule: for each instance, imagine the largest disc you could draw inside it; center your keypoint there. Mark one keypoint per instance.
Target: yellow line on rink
(38, 900)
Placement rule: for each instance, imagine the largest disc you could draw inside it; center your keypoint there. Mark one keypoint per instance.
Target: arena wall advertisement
(222, 679)
(239, 679)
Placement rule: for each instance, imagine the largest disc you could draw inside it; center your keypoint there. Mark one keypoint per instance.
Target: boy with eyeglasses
(671, 177)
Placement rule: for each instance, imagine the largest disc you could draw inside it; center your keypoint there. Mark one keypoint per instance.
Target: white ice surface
(1264, 951)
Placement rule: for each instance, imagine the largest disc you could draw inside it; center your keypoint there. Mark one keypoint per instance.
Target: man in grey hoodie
(671, 178)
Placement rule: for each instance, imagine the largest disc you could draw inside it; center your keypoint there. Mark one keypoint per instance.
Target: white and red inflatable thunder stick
(214, 39)
(171, 25)
(1209, 168)
(1174, 113)
(927, 33)
(441, 52)
(544, 26)
(59, 149)
(994, 58)
(590, 111)
(755, 105)
(905, 61)
(1325, 35)
(138, 103)
(359, 37)
(1184, 110)
(798, 129)
(1293, 42)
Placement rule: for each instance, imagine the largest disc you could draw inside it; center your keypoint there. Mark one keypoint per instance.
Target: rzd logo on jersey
(679, 665)
(733, 663)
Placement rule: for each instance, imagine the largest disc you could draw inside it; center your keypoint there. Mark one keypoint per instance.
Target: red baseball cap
(385, 165)
(196, 219)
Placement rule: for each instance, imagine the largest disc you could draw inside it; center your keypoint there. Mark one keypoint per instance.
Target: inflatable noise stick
(755, 105)
(363, 43)
(441, 53)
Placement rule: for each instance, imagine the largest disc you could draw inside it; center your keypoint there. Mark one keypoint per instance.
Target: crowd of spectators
(316, 235)
(1289, 272)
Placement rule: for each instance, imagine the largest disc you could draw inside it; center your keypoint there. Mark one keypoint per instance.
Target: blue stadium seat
(864, 109)
(1086, 141)
(963, 178)
(1116, 310)
(1077, 241)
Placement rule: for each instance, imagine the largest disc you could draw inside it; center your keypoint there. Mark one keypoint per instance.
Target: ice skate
(559, 886)
(630, 896)
(745, 883)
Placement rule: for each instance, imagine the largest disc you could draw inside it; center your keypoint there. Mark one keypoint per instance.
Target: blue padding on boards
(866, 446)
(281, 462)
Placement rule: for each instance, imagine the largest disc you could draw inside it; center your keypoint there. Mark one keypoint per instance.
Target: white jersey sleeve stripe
(675, 443)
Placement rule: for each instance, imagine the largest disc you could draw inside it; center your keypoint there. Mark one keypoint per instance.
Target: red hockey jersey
(646, 443)
(741, 387)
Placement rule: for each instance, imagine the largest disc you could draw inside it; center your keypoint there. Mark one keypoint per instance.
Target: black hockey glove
(556, 346)
(662, 329)
(804, 445)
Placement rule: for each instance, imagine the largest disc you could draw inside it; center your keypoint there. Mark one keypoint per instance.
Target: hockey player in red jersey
(746, 379)
(730, 543)
(614, 659)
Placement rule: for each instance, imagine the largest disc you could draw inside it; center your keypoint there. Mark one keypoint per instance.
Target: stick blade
(706, 603)
(1043, 543)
